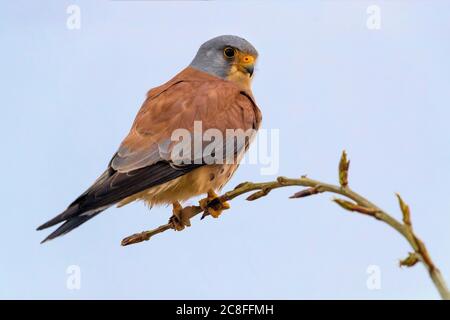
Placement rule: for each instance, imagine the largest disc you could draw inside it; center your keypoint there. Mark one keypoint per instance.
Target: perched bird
(214, 89)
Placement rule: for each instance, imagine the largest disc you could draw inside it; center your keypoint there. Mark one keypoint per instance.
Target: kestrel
(215, 90)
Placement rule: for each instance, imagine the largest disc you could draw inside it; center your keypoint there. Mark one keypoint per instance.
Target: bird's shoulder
(194, 95)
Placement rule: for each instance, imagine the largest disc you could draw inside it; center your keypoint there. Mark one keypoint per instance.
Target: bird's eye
(228, 52)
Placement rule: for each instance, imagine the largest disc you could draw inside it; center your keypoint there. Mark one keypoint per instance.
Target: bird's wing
(144, 158)
(216, 103)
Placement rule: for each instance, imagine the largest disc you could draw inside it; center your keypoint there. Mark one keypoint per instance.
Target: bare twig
(357, 204)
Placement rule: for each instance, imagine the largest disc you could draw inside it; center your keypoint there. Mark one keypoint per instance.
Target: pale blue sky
(328, 83)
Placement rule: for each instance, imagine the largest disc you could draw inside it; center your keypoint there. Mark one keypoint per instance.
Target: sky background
(324, 79)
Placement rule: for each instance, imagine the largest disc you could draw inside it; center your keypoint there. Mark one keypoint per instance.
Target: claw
(179, 219)
(213, 205)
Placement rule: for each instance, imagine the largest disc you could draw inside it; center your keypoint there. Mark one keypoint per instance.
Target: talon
(213, 205)
(179, 219)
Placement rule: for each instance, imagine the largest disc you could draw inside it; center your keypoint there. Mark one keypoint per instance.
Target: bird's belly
(192, 184)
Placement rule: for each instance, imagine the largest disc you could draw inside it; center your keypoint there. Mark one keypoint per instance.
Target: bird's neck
(241, 79)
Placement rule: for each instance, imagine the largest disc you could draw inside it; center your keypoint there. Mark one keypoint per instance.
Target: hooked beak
(250, 69)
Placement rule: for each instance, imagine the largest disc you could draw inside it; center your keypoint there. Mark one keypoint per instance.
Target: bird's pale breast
(192, 184)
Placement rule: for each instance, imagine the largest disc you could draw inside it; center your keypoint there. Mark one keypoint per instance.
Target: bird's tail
(67, 226)
(78, 212)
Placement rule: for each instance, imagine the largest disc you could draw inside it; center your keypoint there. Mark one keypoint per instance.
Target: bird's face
(241, 65)
(228, 57)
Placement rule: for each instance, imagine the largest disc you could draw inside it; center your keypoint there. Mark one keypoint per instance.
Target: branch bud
(351, 206)
(344, 164)
(258, 194)
(405, 211)
(410, 260)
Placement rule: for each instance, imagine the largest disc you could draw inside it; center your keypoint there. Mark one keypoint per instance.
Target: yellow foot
(179, 219)
(213, 205)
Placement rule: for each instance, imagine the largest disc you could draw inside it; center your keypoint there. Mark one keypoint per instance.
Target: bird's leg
(213, 204)
(179, 219)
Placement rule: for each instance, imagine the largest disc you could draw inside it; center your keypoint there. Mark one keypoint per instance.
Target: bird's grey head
(226, 57)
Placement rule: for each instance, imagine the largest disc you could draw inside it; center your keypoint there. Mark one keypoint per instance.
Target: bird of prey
(214, 89)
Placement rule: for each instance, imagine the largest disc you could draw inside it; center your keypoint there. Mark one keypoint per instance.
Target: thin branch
(357, 204)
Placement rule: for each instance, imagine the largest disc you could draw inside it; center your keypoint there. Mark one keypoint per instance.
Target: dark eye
(228, 52)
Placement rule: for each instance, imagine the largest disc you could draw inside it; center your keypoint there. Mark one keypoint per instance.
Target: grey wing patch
(126, 160)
